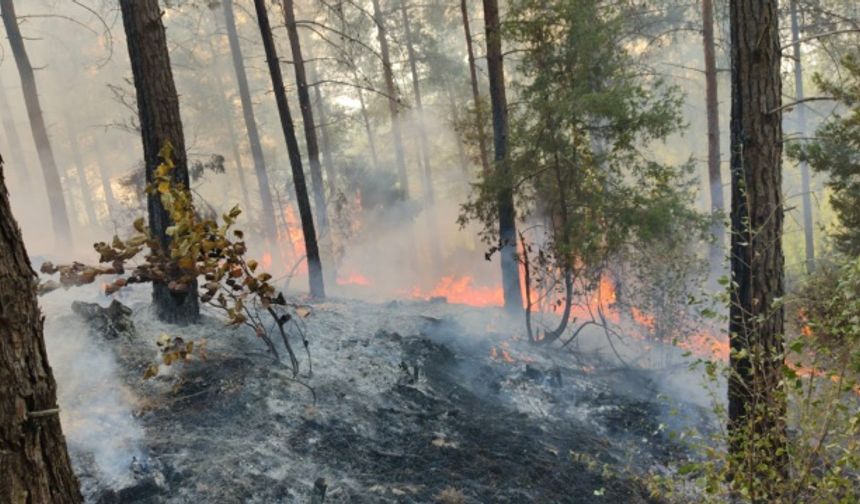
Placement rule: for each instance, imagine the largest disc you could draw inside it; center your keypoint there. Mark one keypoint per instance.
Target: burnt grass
(442, 421)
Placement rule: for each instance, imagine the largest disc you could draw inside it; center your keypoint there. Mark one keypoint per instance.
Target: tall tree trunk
(756, 401)
(315, 275)
(808, 229)
(476, 95)
(225, 107)
(56, 201)
(371, 139)
(507, 213)
(455, 116)
(423, 144)
(270, 230)
(393, 101)
(712, 107)
(81, 172)
(160, 123)
(307, 115)
(14, 141)
(322, 126)
(104, 176)
(34, 461)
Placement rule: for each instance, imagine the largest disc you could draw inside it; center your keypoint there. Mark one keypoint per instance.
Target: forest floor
(414, 402)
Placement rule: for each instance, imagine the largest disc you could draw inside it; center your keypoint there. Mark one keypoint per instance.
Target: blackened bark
(315, 275)
(56, 200)
(476, 94)
(160, 123)
(307, 115)
(507, 212)
(806, 197)
(756, 404)
(393, 101)
(34, 461)
(270, 230)
(715, 179)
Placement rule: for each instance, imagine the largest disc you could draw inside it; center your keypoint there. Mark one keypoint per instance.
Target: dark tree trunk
(14, 142)
(160, 123)
(307, 115)
(756, 403)
(393, 101)
(315, 275)
(476, 95)
(507, 213)
(808, 228)
(80, 171)
(270, 230)
(56, 201)
(34, 461)
(715, 179)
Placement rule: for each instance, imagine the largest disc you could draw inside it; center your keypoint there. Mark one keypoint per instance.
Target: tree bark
(160, 122)
(371, 140)
(307, 115)
(806, 196)
(393, 101)
(712, 107)
(56, 201)
(476, 95)
(507, 213)
(315, 275)
(756, 403)
(270, 230)
(34, 461)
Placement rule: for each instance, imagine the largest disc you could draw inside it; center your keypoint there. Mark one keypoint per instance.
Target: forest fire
(462, 290)
(354, 279)
(707, 345)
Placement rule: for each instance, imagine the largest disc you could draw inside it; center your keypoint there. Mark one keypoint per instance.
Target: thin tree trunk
(808, 229)
(14, 141)
(476, 95)
(423, 144)
(160, 123)
(315, 275)
(756, 317)
(226, 110)
(371, 141)
(80, 170)
(455, 116)
(507, 212)
(34, 460)
(322, 126)
(56, 201)
(104, 176)
(391, 91)
(270, 230)
(307, 115)
(715, 180)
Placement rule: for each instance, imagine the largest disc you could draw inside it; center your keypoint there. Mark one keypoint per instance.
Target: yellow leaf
(252, 265)
(150, 372)
(163, 187)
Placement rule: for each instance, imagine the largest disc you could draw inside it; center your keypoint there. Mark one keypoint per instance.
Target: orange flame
(354, 279)
(463, 291)
(707, 345)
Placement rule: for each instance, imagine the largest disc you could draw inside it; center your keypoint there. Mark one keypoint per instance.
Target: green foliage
(821, 434)
(836, 151)
(198, 248)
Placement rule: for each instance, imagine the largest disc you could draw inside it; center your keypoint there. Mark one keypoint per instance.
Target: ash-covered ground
(412, 402)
